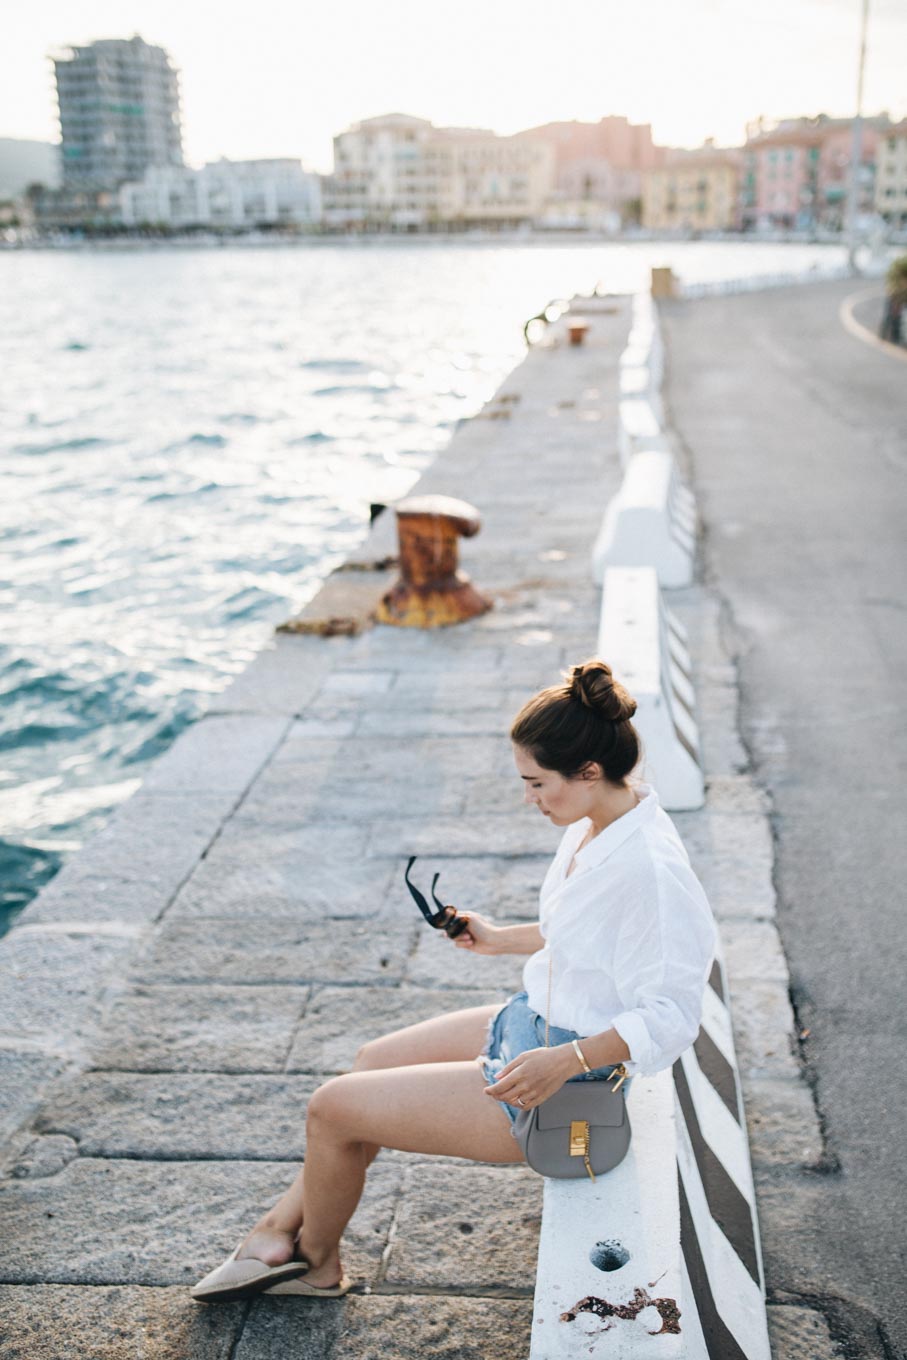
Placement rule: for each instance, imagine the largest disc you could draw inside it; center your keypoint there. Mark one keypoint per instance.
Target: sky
(280, 79)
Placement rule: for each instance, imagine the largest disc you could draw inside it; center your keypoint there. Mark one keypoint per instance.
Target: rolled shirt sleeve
(662, 962)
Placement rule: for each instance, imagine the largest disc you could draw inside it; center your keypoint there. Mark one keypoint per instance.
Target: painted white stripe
(716, 1021)
(738, 1299)
(719, 1127)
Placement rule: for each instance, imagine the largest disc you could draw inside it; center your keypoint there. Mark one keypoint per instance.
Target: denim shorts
(515, 1029)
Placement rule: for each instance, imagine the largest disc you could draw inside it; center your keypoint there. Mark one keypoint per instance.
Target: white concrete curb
(646, 648)
(650, 522)
(661, 1257)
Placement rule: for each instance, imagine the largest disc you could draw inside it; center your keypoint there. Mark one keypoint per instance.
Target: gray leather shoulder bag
(583, 1127)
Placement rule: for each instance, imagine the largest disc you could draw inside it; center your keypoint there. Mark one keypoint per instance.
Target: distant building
(224, 194)
(797, 172)
(696, 190)
(402, 173)
(598, 169)
(481, 178)
(891, 176)
(379, 177)
(119, 112)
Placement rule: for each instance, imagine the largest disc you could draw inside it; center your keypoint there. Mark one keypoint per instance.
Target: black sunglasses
(441, 919)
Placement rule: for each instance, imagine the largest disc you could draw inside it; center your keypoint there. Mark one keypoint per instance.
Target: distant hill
(23, 163)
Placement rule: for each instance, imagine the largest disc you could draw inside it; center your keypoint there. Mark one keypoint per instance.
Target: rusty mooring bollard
(432, 591)
(577, 327)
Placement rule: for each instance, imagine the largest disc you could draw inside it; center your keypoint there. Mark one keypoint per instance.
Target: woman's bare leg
(455, 1037)
(437, 1108)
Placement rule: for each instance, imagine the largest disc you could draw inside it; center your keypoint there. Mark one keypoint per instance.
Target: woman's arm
(538, 1073)
(484, 937)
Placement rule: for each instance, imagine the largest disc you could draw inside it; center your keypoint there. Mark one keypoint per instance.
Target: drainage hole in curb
(609, 1255)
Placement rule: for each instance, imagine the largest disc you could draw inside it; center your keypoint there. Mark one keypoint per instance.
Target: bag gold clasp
(621, 1073)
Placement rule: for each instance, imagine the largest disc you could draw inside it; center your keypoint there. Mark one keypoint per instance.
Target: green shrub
(896, 278)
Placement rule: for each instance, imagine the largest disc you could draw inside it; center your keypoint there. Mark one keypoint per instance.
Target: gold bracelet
(579, 1053)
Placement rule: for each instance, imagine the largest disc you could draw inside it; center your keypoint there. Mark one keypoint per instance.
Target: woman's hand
(481, 936)
(533, 1076)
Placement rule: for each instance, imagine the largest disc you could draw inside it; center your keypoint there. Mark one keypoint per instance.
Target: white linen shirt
(631, 936)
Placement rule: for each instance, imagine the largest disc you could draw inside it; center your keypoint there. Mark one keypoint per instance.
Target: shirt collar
(606, 842)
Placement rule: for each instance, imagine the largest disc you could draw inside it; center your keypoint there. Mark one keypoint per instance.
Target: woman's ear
(592, 771)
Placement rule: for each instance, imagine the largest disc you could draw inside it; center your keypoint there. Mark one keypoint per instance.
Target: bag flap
(590, 1100)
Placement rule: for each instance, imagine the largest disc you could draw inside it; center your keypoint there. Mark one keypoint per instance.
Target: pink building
(797, 173)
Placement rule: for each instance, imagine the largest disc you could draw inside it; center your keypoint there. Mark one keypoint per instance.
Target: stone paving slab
(339, 1020)
(473, 1226)
(307, 872)
(436, 962)
(282, 679)
(226, 951)
(217, 753)
(52, 983)
(23, 1071)
(104, 1322)
(402, 1327)
(503, 833)
(132, 868)
(201, 1029)
(504, 889)
(733, 856)
(179, 1116)
(346, 792)
(154, 1223)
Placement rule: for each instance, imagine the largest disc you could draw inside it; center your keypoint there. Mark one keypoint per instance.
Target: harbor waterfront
(192, 440)
(242, 925)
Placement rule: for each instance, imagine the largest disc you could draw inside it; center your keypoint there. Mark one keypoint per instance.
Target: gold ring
(520, 1101)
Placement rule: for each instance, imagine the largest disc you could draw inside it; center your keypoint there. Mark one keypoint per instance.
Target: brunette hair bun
(592, 684)
(586, 718)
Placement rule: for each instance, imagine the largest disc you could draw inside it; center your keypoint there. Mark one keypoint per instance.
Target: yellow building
(693, 191)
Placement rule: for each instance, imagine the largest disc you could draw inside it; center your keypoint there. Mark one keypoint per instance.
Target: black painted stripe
(716, 981)
(720, 1341)
(729, 1208)
(716, 1069)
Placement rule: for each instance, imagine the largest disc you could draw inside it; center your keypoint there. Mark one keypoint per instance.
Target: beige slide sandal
(301, 1289)
(239, 1279)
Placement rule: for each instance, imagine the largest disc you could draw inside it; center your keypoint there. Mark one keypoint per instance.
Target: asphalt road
(797, 438)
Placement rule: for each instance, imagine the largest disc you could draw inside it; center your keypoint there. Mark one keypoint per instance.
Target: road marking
(856, 328)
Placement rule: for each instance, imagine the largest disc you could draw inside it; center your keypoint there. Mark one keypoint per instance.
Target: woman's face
(561, 800)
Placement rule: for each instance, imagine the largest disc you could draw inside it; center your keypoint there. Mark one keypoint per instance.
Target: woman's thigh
(438, 1108)
(455, 1037)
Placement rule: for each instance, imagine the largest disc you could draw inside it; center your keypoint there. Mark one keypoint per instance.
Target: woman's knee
(328, 1102)
(375, 1054)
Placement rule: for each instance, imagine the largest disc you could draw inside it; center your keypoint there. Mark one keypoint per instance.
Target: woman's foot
(271, 1245)
(323, 1273)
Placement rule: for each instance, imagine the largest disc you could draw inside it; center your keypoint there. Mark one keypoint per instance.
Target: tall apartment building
(119, 112)
(696, 190)
(400, 172)
(891, 176)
